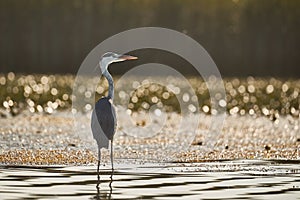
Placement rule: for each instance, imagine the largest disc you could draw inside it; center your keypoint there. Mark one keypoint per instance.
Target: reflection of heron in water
(104, 115)
(104, 195)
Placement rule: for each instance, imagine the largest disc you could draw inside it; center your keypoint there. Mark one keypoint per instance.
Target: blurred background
(254, 43)
(244, 37)
(44, 106)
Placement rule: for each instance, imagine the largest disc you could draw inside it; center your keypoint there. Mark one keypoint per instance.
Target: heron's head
(111, 57)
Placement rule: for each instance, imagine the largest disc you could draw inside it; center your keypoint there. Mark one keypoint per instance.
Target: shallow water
(240, 179)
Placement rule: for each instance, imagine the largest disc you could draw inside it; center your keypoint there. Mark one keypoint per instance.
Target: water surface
(240, 179)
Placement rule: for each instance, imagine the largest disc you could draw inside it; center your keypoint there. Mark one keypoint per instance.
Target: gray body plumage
(103, 122)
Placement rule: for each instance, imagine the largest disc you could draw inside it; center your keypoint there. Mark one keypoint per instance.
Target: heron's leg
(98, 168)
(111, 155)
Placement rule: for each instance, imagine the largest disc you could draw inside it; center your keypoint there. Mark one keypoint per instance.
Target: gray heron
(104, 120)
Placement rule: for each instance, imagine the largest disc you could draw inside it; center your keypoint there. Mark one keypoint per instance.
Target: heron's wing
(98, 133)
(104, 121)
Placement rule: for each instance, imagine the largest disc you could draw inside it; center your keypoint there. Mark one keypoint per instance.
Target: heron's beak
(127, 57)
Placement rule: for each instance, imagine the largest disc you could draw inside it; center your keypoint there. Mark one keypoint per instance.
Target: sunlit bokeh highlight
(269, 97)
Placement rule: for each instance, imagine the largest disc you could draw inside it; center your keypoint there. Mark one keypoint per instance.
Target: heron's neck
(110, 80)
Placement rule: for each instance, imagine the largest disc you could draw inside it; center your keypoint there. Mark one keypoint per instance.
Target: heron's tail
(103, 142)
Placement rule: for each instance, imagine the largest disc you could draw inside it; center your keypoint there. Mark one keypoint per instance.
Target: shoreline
(39, 139)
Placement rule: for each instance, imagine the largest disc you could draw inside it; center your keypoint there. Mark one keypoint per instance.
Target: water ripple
(253, 180)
